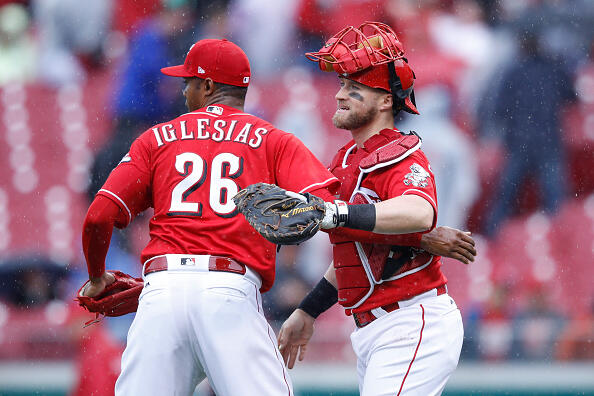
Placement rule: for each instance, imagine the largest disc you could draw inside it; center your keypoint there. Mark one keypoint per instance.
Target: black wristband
(361, 217)
(320, 299)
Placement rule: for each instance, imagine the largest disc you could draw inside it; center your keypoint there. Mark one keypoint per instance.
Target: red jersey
(188, 170)
(411, 175)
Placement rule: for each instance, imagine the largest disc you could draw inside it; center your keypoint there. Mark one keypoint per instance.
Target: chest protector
(362, 266)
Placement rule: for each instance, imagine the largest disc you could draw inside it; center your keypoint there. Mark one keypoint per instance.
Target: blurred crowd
(505, 89)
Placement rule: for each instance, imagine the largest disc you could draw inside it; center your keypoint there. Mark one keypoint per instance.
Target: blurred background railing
(506, 94)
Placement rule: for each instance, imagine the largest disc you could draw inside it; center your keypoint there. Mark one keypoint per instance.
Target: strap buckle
(358, 322)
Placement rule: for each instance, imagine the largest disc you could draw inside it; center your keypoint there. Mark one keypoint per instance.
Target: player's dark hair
(231, 90)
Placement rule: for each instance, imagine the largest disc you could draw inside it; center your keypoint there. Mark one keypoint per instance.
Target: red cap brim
(176, 71)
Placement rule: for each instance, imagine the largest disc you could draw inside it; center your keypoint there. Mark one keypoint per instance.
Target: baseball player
(200, 311)
(409, 331)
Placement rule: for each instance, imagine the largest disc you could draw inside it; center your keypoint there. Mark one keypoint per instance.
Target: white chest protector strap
(387, 155)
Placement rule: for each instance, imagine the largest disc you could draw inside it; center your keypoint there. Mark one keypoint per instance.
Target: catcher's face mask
(371, 55)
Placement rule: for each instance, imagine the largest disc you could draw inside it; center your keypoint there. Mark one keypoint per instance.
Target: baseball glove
(118, 298)
(282, 217)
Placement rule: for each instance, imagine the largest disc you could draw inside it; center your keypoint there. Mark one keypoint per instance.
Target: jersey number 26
(224, 168)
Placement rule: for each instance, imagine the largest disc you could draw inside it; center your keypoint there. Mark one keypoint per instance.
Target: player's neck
(360, 135)
(225, 100)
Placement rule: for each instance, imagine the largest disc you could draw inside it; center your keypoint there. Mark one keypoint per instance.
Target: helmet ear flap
(401, 85)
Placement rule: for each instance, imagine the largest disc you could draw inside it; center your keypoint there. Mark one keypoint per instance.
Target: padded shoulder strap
(391, 153)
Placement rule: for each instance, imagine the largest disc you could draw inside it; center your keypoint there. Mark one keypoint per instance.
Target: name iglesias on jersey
(201, 129)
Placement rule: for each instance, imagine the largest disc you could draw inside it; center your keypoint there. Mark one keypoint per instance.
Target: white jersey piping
(121, 201)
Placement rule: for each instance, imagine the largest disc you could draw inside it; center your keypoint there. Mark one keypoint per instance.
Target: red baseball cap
(220, 60)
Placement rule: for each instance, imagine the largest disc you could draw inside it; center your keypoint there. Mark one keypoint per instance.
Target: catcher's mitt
(282, 217)
(118, 298)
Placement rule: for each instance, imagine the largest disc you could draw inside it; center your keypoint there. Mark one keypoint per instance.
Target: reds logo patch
(417, 177)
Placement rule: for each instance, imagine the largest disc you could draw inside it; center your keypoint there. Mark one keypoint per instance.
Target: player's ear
(385, 102)
(209, 86)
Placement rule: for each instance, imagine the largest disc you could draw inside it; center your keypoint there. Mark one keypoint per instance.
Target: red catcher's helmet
(370, 54)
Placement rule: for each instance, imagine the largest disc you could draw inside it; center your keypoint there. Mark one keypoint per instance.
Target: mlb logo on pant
(188, 261)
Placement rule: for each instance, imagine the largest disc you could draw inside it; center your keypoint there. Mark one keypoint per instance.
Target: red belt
(215, 263)
(362, 319)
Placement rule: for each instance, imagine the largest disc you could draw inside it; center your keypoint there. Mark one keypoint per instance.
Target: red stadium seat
(45, 161)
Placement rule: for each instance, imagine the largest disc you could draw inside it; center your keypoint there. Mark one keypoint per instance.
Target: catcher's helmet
(370, 54)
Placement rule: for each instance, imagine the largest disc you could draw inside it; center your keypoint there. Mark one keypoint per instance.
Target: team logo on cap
(201, 70)
(246, 80)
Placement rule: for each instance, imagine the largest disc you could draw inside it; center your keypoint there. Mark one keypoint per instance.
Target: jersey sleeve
(412, 176)
(129, 183)
(297, 169)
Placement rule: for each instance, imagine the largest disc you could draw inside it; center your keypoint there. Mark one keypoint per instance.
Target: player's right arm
(298, 329)
(124, 195)
(101, 217)
(441, 241)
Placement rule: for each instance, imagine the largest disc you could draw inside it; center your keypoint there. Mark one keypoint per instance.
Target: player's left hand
(282, 217)
(294, 336)
(449, 242)
(95, 286)
(113, 294)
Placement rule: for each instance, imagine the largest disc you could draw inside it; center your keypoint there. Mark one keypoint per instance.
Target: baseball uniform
(200, 313)
(410, 332)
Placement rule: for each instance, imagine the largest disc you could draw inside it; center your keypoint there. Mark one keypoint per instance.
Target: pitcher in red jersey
(200, 312)
(409, 330)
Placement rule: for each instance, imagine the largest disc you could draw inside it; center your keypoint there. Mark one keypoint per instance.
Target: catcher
(409, 330)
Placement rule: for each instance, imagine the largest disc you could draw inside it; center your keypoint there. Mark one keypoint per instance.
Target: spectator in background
(300, 115)
(289, 289)
(464, 35)
(575, 342)
(488, 330)
(31, 281)
(143, 98)
(17, 50)
(266, 30)
(322, 19)
(451, 153)
(71, 36)
(537, 327)
(318, 20)
(528, 101)
(564, 26)
(98, 355)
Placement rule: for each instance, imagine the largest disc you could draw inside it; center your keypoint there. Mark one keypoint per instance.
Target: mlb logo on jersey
(215, 109)
(188, 261)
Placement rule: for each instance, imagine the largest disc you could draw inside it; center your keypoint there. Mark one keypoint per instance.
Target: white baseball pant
(197, 323)
(412, 350)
